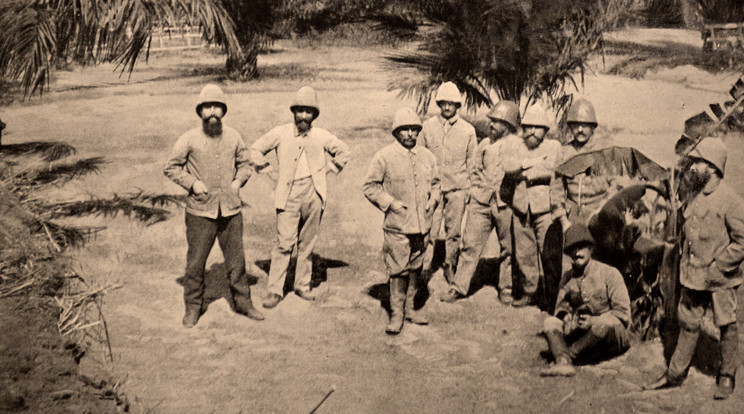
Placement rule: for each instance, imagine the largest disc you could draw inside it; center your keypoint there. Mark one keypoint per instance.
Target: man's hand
(199, 188)
(398, 205)
(586, 321)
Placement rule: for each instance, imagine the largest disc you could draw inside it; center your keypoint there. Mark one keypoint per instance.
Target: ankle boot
(557, 345)
(244, 306)
(585, 343)
(412, 315)
(398, 287)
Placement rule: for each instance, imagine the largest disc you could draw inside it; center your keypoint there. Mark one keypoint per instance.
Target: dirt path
(476, 356)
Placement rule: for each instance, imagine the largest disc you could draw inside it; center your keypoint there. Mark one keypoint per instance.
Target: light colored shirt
(289, 146)
(488, 172)
(410, 176)
(216, 162)
(599, 289)
(453, 143)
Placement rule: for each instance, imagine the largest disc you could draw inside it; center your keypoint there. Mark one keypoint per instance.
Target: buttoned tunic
(289, 145)
(600, 289)
(216, 162)
(453, 143)
(713, 247)
(530, 174)
(586, 191)
(410, 176)
(488, 171)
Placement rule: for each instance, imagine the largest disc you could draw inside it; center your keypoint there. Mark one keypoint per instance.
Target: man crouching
(403, 182)
(592, 311)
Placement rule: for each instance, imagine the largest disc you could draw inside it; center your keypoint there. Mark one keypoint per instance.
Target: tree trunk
(690, 16)
(244, 67)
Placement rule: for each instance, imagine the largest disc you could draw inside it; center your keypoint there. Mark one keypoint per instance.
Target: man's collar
(711, 185)
(298, 134)
(400, 147)
(451, 121)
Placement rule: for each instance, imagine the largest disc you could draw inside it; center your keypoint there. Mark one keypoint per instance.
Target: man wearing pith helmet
(403, 182)
(211, 162)
(592, 312)
(453, 142)
(529, 165)
(709, 271)
(300, 195)
(486, 209)
(584, 193)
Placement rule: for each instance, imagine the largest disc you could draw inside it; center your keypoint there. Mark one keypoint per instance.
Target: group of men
(436, 175)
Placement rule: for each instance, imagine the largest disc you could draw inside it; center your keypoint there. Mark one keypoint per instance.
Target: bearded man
(300, 193)
(211, 162)
(710, 274)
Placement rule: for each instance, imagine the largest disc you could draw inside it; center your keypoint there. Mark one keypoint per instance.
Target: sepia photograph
(371, 206)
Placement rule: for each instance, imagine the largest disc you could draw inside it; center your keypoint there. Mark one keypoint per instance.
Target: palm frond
(130, 206)
(49, 150)
(59, 173)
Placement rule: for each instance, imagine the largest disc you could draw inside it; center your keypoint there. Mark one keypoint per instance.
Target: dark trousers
(200, 235)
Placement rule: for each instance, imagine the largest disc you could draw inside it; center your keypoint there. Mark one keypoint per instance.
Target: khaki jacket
(599, 290)
(216, 162)
(410, 176)
(488, 172)
(454, 151)
(288, 145)
(713, 244)
(529, 175)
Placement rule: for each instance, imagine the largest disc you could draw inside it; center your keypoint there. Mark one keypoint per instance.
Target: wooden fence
(177, 38)
(729, 36)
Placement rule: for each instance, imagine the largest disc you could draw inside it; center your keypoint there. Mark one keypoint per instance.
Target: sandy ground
(476, 356)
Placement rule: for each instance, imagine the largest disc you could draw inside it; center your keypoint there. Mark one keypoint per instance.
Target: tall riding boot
(449, 274)
(398, 287)
(729, 344)
(585, 343)
(244, 306)
(414, 284)
(563, 366)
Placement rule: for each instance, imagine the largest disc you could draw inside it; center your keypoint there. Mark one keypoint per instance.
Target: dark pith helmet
(506, 111)
(211, 94)
(576, 236)
(581, 111)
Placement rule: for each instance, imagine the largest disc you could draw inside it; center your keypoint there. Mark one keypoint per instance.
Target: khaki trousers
(298, 223)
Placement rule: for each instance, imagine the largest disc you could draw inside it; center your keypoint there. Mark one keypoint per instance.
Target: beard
(303, 125)
(532, 142)
(212, 126)
(696, 181)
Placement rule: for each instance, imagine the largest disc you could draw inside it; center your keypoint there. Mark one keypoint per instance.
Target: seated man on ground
(592, 312)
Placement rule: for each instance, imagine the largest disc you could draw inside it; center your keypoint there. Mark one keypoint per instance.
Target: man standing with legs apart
(486, 209)
(529, 166)
(300, 194)
(403, 182)
(212, 164)
(712, 252)
(592, 312)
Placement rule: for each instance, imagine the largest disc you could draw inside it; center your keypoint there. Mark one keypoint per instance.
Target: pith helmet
(581, 111)
(536, 115)
(448, 91)
(712, 150)
(211, 93)
(306, 96)
(405, 117)
(577, 235)
(506, 111)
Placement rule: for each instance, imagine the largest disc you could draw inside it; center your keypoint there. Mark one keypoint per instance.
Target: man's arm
(340, 153)
(617, 294)
(372, 187)
(262, 146)
(729, 259)
(243, 163)
(175, 166)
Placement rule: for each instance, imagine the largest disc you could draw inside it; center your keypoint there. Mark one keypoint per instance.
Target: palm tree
(504, 49)
(42, 35)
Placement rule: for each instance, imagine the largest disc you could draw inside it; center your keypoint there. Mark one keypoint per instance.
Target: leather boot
(244, 306)
(557, 345)
(449, 275)
(726, 378)
(398, 287)
(724, 387)
(191, 316)
(683, 352)
(585, 343)
(412, 315)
